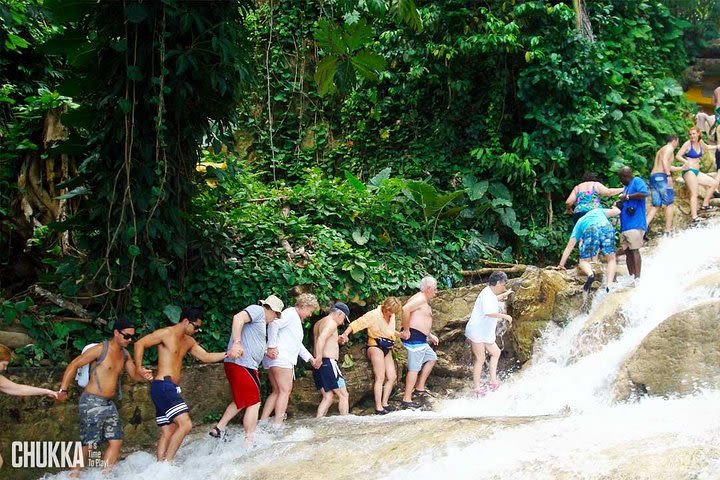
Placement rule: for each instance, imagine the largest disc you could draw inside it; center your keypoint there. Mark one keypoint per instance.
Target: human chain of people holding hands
(270, 335)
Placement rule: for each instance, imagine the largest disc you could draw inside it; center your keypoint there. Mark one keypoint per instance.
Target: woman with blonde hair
(380, 324)
(16, 389)
(285, 344)
(690, 154)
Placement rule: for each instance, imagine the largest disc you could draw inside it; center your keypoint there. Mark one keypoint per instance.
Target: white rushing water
(555, 419)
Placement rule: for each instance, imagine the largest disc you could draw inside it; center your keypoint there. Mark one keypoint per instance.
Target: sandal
(217, 433)
(423, 393)
(696, 220)
(705, 208)
(480, 392)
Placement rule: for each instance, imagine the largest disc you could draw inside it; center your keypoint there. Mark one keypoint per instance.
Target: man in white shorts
(480, 329)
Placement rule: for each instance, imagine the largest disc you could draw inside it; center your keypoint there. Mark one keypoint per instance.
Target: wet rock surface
(679, 356)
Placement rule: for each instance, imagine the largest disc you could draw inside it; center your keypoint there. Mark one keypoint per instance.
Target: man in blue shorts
(596, 235)
(172, 414)
(661, 182)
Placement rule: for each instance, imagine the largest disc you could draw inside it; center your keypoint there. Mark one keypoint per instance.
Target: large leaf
(475, 189)
(325, 75)
(360, 237)
(355, 182)
(172, 312)
(368, 64)
(498, 190)
(378, 179)
(357, 35)
(428, 197)
(329, 38)
(357, 274)
(406, 12)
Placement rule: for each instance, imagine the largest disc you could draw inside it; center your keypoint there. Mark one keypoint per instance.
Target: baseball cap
(343, 308)
(274, 303)
(122, 323)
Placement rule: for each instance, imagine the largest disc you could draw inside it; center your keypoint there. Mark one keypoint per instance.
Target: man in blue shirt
(595, 234)
(632, 219)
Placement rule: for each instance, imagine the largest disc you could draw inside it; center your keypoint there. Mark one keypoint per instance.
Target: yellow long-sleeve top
(376, 326)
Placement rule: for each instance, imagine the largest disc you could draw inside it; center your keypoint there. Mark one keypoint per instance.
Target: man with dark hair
(661, 182)
(633, 222)
(172, 413)
(480, 329)
(99, 418)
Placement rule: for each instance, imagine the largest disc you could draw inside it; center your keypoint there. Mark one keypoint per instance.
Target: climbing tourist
(662, 193)
(245, 351)
(328, 378)
(99, 418)
(481, 327)
(285, 343)
(380, 324)
(585, 196)
(416, 324)
(9, 387)
(596, 235)
(632, 219)
(171, 412)
(690, 154)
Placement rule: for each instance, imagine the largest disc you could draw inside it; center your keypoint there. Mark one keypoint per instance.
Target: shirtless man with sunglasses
(172, 413)
(99, 418)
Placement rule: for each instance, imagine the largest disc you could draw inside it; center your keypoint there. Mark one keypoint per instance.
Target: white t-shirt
(286, 334)
(481, 328)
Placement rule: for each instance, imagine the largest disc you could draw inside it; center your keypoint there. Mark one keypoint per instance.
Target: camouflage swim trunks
(99, 420)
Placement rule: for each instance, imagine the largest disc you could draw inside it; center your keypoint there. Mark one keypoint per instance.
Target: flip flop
(480, 392)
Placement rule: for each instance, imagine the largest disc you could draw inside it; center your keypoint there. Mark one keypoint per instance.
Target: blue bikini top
(694, 154)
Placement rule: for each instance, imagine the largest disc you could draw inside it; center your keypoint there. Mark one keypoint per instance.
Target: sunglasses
(128, 336)
(196, 327)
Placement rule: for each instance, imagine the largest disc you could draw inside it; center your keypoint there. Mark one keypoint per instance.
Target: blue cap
(343, 308)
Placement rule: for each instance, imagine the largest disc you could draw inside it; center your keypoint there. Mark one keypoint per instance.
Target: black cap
(343, 308)
(122, 323)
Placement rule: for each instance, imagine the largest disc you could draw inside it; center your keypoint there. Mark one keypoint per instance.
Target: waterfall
(555, 419)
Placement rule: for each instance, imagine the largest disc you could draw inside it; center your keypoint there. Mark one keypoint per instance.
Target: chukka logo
(46, 455)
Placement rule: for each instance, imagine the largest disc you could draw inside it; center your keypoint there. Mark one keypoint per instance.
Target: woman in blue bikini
(690, 154)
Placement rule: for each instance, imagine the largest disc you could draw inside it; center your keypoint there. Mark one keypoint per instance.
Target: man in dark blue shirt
(632, 218)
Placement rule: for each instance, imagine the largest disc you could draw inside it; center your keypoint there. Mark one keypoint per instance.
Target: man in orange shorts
(245, 351)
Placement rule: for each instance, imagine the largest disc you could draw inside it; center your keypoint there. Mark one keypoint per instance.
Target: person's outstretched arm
(566, 253)
(206, 357)
(19, 390)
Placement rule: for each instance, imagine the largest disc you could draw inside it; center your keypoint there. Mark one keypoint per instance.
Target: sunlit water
(555, 419)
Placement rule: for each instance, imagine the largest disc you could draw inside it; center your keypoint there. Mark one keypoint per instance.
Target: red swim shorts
(244, 384)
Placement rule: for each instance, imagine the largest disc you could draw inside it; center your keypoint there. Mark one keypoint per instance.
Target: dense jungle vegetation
(154, 154)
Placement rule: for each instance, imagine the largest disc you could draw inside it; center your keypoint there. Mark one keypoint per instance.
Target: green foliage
(386, 140)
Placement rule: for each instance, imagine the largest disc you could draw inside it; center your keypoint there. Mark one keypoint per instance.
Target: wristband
(62, 390)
